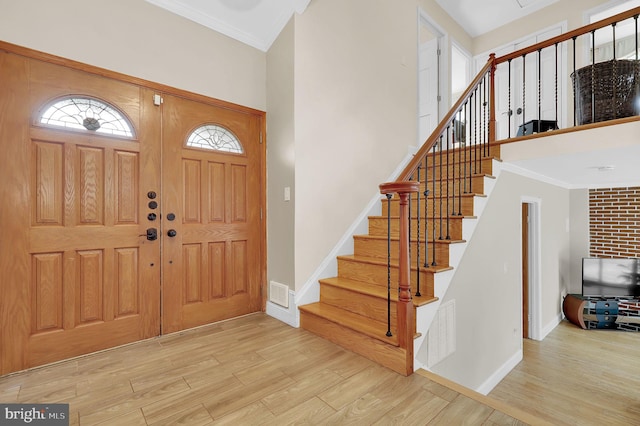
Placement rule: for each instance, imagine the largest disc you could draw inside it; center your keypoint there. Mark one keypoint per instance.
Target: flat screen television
(611, 277)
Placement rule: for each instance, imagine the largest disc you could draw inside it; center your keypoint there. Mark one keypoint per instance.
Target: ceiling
(258, 23)
(481, 16)
(253, 22)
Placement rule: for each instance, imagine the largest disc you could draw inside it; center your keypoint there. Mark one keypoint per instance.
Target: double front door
(127, 213)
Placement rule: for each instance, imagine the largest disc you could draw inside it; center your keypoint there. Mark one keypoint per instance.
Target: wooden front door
(80, 270)
(211, 213)
(83, 279)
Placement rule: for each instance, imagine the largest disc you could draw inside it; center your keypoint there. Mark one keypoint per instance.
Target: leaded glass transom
(84, 113)
(216, 138)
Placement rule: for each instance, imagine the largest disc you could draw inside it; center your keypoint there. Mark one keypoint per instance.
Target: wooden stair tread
(394, 264)
(359, 323)
(373, 290)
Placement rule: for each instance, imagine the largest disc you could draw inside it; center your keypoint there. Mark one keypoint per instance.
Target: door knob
(519, 111)
(152, 234)
(172, 233)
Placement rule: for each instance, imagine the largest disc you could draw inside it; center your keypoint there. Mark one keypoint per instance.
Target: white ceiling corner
(256, 23)
(478, 17)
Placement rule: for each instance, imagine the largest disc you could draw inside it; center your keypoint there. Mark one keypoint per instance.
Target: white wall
(580, 245)
(355, 114)
(281, 157)
(136, 38)
(487, 285)
(569, 10)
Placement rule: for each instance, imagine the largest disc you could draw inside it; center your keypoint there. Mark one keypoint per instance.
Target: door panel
(212, 264)
(91, 282)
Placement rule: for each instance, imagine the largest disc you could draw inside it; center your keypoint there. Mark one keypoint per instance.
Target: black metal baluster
(509, 111)
(524, 89)
(417, 235)
(467, 141)
(575, 77)
(614, 85)
(613, 29)
(454, 133)
(556, 85)
(447, 178)
(472, 145)
(426, 209)
(539, 88)
(459, 165)
(441, 189)
(433, 201)
(593, 76)
(389, 265)
(636, 22)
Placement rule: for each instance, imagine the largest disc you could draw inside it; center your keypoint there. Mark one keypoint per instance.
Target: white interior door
(530, 93)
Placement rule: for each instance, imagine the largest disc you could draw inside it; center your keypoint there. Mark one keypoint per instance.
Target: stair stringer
(426, 313)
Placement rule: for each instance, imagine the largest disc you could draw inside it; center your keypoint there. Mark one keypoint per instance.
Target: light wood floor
(578, 377)
(257, 370)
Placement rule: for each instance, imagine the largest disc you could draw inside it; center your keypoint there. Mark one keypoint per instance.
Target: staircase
(353, 307)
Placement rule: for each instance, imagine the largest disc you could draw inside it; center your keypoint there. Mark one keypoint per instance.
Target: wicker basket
(616, 88)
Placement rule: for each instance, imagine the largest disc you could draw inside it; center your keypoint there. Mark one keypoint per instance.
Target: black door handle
(172, 233)
(152, 234)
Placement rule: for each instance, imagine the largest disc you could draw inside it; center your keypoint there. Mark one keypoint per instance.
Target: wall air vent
(279, 294)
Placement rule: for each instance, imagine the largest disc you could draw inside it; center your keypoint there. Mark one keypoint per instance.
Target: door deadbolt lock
(172, 233)
(151, 216)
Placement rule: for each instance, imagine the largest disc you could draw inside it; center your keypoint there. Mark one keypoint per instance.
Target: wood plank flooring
(256, 370)
(577, 377)
(247, 371)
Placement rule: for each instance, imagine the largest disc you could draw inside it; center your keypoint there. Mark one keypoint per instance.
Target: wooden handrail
(631, 13)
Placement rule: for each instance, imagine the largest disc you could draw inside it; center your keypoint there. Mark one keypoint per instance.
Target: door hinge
(439, 98)
(157, 100)
(439, 52)
(260, 213)
(260, 137)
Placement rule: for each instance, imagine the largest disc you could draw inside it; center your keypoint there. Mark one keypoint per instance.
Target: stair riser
(387, 355)
(378, 249)
(377, 274)
(481, 165)
(476, 153)
(362, 304)
(378, 227)
(455, 187)
(464, 204)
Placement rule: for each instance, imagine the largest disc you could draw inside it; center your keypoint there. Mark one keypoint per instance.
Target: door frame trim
(535, 269)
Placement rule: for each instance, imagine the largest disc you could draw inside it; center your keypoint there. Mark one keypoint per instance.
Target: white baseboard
(550, 326)
(500, 373)
(288, 315)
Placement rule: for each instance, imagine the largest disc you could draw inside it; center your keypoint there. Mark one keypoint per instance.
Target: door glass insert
(82, 113)
(216, 138)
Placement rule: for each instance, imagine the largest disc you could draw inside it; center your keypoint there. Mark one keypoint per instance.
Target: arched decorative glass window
(85, 113)
(216, 138)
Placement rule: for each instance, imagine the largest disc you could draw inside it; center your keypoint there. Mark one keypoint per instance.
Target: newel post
(405, 312)
(492, 99)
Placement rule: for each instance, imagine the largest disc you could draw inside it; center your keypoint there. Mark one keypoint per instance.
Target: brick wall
(614, 222)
